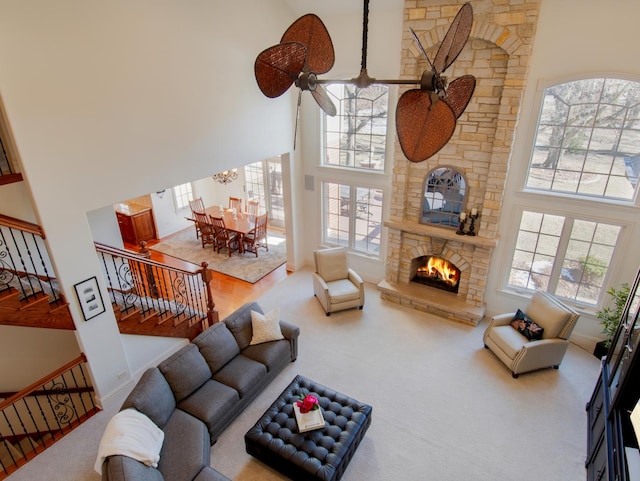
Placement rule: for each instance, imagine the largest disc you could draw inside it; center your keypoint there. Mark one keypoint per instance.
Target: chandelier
(226, 177)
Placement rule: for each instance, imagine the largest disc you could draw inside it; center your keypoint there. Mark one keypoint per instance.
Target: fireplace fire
(435, 272)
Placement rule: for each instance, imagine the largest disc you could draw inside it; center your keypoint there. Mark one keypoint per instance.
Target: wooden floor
(229, 293)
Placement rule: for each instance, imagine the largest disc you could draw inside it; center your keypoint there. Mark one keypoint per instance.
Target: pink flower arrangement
(308, 403)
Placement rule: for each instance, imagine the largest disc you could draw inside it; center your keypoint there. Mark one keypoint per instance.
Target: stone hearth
(497, 54)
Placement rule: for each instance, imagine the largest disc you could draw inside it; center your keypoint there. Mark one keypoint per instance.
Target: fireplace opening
(436, 272)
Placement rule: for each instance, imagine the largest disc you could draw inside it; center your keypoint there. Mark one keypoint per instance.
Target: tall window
(587, 149)
(182, 194)
(588, 139)
(356, 136)
(352, 217)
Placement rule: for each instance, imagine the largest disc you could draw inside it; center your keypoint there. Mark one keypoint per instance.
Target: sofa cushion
(241, 374)
(526, 326)
(210, 474)
(548, 314)
(217, 345)
(332, 264)
(126, 468)
(185, 371)
(130, 433)
(274, 354)
(186, 449)
(213, 401)
(265, 327)
(153, 397)
(239, 323)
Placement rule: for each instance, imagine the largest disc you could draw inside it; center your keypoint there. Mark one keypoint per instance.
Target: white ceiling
(339, 7)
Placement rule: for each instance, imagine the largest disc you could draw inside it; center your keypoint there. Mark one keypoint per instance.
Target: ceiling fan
(425, 116)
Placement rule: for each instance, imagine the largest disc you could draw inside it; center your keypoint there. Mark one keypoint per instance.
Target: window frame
(177, 195)
(352, 210)
(390, 94)
(519, 198)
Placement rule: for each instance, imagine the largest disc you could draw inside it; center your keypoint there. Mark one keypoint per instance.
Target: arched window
(588, 139)
(443, 196)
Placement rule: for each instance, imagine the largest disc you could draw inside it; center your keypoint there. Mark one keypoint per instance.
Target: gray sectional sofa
(198, 391)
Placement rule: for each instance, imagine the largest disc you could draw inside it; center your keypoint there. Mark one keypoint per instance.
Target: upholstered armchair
(336, 286)
(512, 337)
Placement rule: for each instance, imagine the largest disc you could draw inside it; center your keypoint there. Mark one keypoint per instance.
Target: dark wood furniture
(322, 454)
(612, 445)
(135, 222)
(258, 236)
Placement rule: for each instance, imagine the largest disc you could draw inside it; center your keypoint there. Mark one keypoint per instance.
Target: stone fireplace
(497, 54)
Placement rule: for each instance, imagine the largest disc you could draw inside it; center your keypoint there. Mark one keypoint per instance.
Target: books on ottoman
(308, 421)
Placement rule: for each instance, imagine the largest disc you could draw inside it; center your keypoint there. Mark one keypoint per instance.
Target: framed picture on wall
(89, 297)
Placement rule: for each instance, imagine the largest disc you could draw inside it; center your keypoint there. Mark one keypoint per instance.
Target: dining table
(239, 222)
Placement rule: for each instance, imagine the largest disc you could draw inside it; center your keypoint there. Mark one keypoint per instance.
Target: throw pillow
(131, 433)
(266, 327)
(526, 326)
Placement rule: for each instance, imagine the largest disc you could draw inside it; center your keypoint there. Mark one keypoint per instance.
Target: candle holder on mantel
(472, 226)
(462, 219)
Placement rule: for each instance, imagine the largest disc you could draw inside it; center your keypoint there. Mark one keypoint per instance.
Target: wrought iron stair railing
(29, 292)
(41, 414)
(151, 298)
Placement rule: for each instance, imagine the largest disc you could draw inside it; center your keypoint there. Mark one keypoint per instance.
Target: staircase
(29, 295)
(41, 414)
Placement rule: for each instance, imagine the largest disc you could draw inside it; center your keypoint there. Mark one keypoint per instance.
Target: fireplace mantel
(441, 233)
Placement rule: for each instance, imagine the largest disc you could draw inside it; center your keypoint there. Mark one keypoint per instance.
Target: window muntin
(352, 217)
(356, 136)
(182, 194)
(588, 139)
(443, 197)
(566, 256)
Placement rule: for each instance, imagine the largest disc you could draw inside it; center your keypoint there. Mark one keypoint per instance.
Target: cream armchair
(336, 286)
(519, 353)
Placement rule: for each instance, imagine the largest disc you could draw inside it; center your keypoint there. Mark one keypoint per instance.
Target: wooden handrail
(36, 385)
(142, 258)
(22, 225)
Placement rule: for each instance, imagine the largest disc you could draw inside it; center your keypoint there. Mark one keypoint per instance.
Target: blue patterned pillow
(526, 326)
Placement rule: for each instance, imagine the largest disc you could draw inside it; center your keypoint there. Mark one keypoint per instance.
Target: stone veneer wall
(497, 54)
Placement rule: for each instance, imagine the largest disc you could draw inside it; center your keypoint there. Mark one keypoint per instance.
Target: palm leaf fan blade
(423, 126)
(455, 39)
(324, 101)
(311, 32)
(277, 67)
(459, 93)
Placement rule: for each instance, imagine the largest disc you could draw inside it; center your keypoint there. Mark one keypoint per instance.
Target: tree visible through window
(588, 139)
(356, 136)
(565, 256)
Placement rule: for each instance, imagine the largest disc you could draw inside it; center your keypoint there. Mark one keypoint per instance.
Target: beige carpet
(246, 266)
(444, 408)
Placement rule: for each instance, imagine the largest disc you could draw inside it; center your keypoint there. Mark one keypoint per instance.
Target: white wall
(122, 98)
(575, 38)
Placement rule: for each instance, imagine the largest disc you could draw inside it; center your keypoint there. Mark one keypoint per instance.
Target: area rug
(246, 267)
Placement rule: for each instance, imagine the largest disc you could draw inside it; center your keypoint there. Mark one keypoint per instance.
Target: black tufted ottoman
(322, 454)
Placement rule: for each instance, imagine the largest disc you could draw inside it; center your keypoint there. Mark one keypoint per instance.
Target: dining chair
(253, 207)
(224, 237)
(196, 205)
(257, 237)
(204, 226)
(235, 203)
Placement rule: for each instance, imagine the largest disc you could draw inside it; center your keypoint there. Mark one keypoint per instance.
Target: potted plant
(610, 317)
